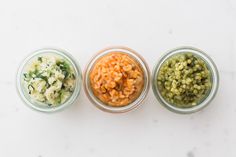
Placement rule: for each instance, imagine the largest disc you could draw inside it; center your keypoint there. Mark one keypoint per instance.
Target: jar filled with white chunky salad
(48, 80)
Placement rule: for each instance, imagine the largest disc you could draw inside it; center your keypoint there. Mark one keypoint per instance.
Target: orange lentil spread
(117, 79)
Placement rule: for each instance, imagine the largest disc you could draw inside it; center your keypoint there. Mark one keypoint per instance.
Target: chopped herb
(40, 59)
(65, 73)
(42, 77)
(73, 76)
(30, 86)
(25, 75)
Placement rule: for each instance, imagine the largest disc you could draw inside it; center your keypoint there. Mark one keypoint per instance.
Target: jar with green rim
(49, 80)
(185, 80)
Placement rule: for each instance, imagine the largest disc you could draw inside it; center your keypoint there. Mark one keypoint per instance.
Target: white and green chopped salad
(50, 79)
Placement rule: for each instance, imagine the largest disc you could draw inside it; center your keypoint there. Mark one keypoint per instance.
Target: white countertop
(151, 27)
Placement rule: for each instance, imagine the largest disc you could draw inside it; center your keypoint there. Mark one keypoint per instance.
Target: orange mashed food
(117, 79)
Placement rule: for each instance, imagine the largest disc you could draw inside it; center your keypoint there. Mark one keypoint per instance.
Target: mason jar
(102, 105)
(214, 79)
(23, 91)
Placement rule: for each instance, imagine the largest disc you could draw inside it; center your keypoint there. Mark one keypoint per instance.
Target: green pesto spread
(50, 79)
(184, 80)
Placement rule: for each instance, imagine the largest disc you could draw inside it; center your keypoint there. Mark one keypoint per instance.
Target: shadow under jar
(49, 80)
(116, 79)
(185, 80)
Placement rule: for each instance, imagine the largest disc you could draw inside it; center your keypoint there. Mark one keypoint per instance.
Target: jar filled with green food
(185, 80)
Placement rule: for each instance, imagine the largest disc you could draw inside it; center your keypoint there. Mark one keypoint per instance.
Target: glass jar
(214, 80)
(135, 103)
(23, 91)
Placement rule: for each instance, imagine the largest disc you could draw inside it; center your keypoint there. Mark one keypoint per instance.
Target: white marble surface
(150, 27)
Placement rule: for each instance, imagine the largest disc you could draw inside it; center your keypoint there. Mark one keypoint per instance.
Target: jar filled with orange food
(117, 79)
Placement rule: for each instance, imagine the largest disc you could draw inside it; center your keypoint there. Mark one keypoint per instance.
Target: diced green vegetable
(184, 80)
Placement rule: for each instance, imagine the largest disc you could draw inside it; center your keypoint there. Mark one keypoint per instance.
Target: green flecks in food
(184, 80)
(48, 77)
(40, 59)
